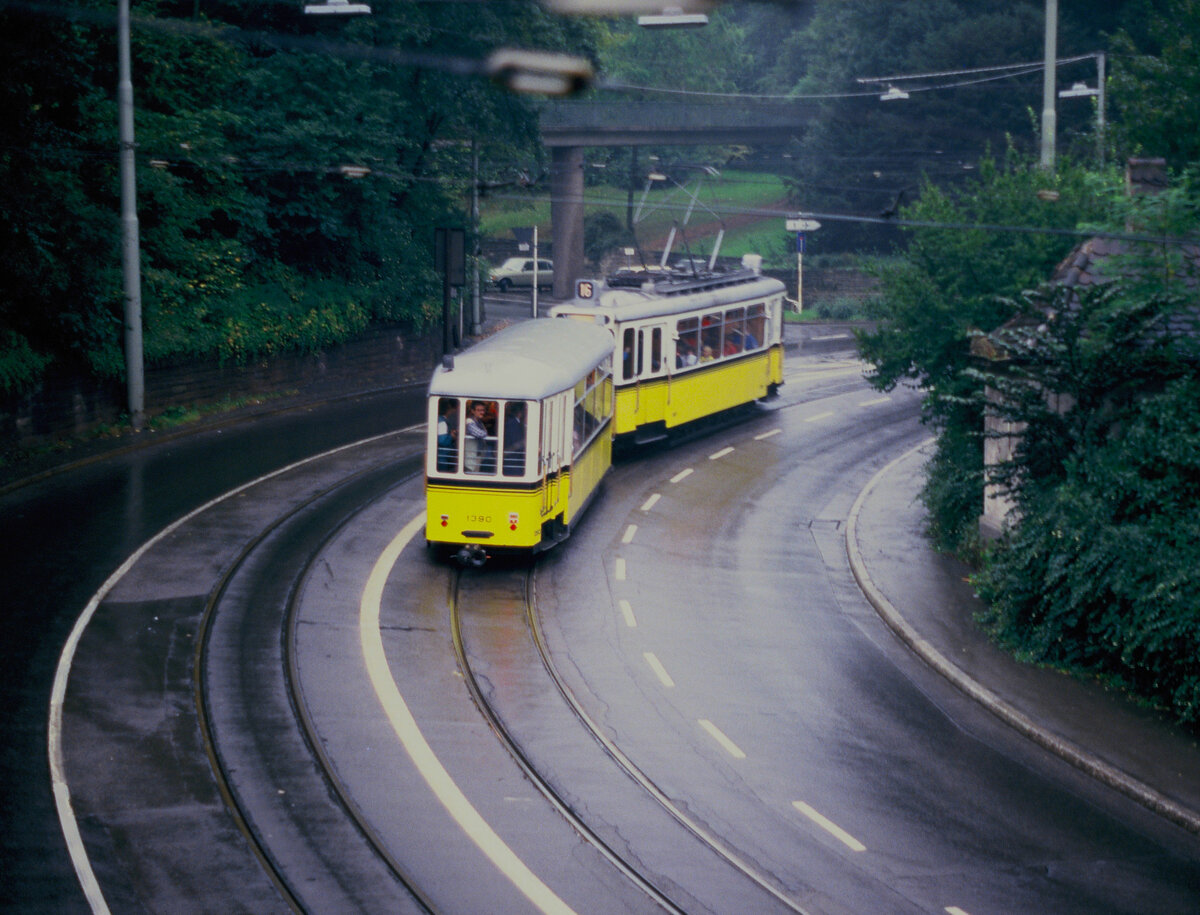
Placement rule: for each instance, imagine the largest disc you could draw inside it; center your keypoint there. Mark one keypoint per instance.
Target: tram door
(551, 451)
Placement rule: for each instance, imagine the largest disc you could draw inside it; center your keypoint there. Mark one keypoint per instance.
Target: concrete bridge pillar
(566, 217)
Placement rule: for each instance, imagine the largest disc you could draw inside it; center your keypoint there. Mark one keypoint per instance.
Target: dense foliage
(253, 238)
(953, 283)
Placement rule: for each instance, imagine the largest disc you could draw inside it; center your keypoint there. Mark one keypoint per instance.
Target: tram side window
(656, 350)
(687, 343)
(735, 331)
(479, 437)
(756, 326)
(447, 434)
(516, 435)
(710, 337)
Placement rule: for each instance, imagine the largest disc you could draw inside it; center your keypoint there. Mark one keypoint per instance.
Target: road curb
(1065, 749)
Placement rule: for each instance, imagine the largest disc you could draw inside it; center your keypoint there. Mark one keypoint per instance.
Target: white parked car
(518, 271)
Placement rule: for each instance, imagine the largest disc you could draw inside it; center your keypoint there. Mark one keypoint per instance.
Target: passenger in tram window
(478, 457)
(685, 355)
(733, 343)
(707, 354)
(447, 434)
(514, 439)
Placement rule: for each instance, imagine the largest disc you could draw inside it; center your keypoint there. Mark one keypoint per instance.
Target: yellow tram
(520, 437)
(686, 344)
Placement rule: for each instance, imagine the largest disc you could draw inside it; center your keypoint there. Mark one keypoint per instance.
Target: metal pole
(1100, 125)
(535, 271)
(130, 260)
(476, 301)
(799, 274)
(1048, 82)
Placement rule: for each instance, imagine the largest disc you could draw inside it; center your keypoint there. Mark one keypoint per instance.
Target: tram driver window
(479, 437)
(687, 346)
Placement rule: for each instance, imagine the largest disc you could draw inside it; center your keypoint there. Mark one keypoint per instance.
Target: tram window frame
(631, 355)
(508, 465)
(446, 457)
(711, 326)
(756, 326)
(734, 326)
(687, 333)
(593, 406)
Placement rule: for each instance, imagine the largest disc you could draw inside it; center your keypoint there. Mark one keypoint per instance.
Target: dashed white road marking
(716, 456)
(651, 502)
(681, 475)
(876, 402)
(830, 827)
(720, 737)
(759, 438)
(627, 612)
(955, 910)
(818, 417)
(659, 671)
(432, 771)
(619, 570)
(627, 537)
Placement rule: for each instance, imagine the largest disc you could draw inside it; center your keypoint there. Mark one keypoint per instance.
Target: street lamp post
(130, 257)
(1049, 74)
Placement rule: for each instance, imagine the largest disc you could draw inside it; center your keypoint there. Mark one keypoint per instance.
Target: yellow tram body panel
(500, 518)
(698, 391)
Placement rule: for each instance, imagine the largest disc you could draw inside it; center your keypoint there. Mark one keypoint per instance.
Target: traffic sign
(800, 224)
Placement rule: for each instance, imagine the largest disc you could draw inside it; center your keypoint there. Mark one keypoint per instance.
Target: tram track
(266, 606)
(463, 594)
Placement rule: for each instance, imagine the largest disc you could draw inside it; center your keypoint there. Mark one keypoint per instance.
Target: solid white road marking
(58, 778)
(719, 736)
(720, 454)
(681, 475)
(629, 532)
(419, 750)
(659, 671)
(829, 826)
(651, 502)
(627, 612)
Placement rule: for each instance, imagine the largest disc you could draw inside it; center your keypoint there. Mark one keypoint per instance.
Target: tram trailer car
(520, 438)
(687, 344)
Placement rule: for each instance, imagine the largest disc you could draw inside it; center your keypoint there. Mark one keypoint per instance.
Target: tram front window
(479, 437)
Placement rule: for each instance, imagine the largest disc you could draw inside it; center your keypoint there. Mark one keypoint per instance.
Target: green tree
(954, 282)
(1156, 84)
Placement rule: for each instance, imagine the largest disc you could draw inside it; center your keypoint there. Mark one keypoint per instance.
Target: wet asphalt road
(62, 537)
(63, 540)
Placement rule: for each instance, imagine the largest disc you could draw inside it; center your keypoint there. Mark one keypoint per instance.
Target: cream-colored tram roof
(631, 303)
(525, 361)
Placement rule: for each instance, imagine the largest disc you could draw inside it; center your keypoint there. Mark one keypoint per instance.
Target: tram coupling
(474, 556)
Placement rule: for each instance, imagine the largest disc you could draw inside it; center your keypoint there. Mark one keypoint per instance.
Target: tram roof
(525, 361)
(671, 295)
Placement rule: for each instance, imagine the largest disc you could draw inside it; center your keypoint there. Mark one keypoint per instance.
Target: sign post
(800, 225)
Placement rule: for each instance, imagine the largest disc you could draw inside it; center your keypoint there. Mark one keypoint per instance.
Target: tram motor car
(519, 439)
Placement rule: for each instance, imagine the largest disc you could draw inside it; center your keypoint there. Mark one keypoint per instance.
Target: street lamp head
(539, 72)
(673, 17)
(337, 8)
(893, 93)
(1078, 90)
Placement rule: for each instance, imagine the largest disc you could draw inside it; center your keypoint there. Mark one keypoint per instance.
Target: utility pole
(1049, 76)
